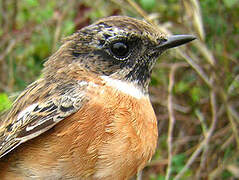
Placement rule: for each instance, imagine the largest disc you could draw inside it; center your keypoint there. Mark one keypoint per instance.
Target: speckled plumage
(89, 116)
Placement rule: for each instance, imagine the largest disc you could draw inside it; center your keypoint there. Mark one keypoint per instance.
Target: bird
(89, 115)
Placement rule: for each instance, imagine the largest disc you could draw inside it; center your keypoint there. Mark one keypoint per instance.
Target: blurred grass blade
(205, 52)
(234, 170)
(197, 16)
(193, 10)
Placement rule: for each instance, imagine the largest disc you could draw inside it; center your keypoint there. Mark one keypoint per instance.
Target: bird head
(119, 47)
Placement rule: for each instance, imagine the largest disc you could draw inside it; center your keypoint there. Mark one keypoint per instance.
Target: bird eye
(119, 49)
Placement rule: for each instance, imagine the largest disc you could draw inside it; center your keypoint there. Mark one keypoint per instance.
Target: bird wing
(32, 120)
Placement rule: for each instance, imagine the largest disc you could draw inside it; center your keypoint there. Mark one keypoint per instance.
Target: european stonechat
(89, 116)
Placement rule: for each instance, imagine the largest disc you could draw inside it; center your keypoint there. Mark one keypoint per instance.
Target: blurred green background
(198, 116)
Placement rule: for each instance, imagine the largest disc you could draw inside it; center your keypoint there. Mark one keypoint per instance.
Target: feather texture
(40, 116)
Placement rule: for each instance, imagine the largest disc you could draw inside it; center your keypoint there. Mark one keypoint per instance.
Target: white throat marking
(125, 87)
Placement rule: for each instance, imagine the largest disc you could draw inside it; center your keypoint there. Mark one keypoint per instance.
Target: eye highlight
(119, 49)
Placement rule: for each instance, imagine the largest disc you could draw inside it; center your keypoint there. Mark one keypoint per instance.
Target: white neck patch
(125, 87)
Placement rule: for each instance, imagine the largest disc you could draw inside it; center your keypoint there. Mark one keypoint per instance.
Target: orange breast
(111, 137)
(128, 135)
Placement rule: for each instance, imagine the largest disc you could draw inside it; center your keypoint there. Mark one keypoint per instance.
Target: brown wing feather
(48, 105)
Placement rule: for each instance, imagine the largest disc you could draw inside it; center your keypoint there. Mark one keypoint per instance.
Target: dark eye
(119, 49)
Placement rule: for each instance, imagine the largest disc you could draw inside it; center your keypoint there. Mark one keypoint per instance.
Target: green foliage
(5, 103)
(147, 4)
(32, 3)
(69, 27)
(230, 3)
(195, 94)
(178, 163)
(226, 175)
(159, 177)
(182, 87)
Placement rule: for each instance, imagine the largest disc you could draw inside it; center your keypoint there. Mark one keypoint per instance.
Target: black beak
(174, 41)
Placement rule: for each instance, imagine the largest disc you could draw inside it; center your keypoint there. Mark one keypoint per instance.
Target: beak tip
(190, 37)
(177, 40)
